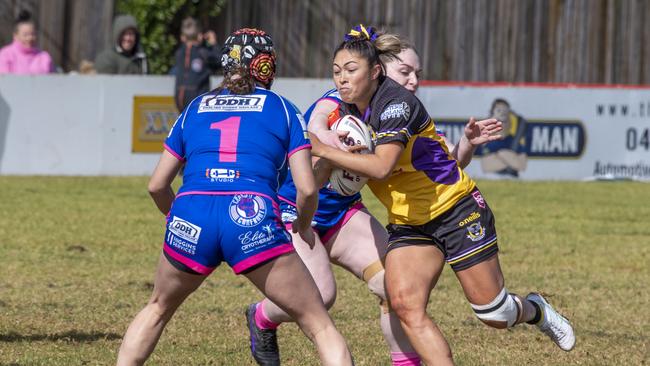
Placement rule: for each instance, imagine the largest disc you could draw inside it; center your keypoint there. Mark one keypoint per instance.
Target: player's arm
(378, 165)
(307, 193)
(476, 134)
(160, 183)
(318, 124)
(322, 170)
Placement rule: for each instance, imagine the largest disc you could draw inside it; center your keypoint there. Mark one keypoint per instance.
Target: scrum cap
(253, 50)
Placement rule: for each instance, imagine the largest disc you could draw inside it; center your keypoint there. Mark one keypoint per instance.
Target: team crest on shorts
(475, 232)
(247, 210)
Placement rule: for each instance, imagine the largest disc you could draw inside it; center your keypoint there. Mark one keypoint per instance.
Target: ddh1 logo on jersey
(247, 210)
(232, 103)
(185, 229)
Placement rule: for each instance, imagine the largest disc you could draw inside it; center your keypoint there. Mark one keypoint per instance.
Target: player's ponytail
(390, 45)
(237, 81)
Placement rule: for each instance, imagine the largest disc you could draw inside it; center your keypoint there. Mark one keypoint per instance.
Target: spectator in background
(22, 56)
(506, 157)
(125, 56)
(197, 57)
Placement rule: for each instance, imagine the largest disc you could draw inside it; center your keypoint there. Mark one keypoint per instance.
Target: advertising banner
(153, 117)
(551, 132)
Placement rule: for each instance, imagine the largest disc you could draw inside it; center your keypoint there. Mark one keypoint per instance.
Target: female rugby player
(234, 143)
(436, 212)
(348, 235)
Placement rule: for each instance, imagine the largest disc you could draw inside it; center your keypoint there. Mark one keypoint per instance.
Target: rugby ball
(343, 181)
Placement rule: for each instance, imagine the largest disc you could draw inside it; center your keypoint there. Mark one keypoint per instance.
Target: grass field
(78, 256)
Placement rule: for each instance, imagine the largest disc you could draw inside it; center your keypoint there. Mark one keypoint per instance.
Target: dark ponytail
(244, 84)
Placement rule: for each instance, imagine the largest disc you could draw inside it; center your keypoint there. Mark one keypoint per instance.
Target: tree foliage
(159, 23)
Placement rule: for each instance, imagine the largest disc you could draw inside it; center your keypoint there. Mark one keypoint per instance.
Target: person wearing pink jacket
(22, 56)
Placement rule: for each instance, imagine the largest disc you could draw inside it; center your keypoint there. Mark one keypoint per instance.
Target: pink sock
(261, 320)
(405, 358)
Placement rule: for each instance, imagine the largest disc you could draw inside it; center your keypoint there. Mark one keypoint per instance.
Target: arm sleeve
(298, 136)
(174, 141)
(399, 120)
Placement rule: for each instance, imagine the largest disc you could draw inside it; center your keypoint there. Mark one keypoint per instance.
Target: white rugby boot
(553, 324)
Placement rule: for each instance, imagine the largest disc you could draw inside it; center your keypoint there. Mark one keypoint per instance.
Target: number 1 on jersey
(229, 129)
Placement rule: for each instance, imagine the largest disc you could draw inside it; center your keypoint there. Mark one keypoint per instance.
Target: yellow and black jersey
(427, 180)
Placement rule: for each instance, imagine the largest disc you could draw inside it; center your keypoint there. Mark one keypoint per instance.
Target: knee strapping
(505, 308)
(373, 275)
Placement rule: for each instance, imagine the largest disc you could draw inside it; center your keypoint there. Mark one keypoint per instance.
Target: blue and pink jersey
(332, 206)
(235, 148)
(237, 143)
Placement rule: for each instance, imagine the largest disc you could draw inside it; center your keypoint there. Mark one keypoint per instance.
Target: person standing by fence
(22, 57)
(197, 57)
(125, 54)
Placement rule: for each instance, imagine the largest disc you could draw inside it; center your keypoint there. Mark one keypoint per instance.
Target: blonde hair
(390, 45)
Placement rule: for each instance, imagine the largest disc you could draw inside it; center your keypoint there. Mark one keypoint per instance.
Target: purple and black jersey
(235, 143)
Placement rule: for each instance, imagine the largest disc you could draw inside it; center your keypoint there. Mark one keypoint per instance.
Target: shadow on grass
(72, 336)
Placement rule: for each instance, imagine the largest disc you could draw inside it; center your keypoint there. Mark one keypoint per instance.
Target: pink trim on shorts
(348, 215)
(195, 266)
(283, 199)
(276, 206)
(171, 151)
(405, 359)
(261, 257)
(302, 147)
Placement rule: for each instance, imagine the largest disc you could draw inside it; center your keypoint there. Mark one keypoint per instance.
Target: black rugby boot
(264, 342)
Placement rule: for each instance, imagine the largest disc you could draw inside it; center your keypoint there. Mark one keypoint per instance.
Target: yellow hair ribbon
(358, 34)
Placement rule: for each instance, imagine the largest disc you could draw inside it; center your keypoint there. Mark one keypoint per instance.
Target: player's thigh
(359, 243)
(314, 257)
(172, 286)
(318, 264)
(286, 281)
(411, 272)
(483, 281)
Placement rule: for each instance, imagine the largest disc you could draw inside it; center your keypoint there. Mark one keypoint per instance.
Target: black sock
(538, 314)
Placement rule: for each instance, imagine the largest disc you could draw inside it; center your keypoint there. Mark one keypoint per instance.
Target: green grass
(78, 257)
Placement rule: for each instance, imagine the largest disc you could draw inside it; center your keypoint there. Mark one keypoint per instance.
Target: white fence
(82, 125)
